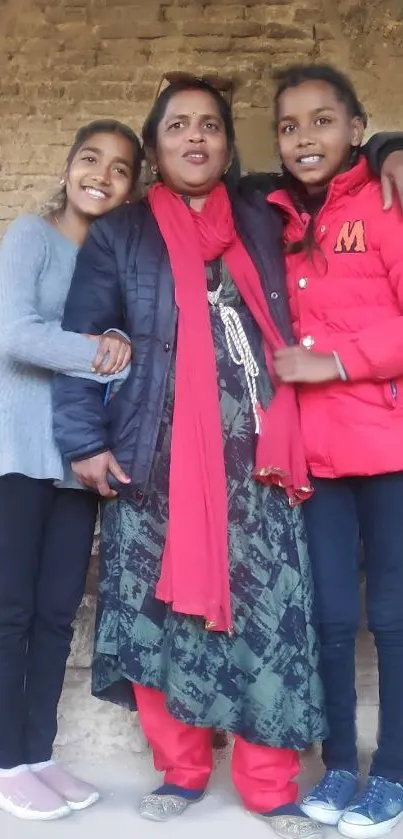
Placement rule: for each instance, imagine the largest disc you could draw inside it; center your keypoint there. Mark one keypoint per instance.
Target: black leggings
(45, 546)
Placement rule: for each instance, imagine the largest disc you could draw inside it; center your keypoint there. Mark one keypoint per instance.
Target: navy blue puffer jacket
(123, 279)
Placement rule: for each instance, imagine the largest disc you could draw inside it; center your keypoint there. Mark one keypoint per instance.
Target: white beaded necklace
(238, 347)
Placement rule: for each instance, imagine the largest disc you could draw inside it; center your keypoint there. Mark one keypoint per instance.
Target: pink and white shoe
(78, 794)
(24, 795)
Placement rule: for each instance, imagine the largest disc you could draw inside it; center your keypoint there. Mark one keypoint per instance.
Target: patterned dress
(262, 682)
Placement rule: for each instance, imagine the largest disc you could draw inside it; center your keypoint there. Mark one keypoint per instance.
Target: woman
(205, 610)
(46, 525)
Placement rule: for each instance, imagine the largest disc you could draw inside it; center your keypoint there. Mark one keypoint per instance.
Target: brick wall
(64, 62)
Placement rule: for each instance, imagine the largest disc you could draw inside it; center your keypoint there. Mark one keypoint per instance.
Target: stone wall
(64, 62)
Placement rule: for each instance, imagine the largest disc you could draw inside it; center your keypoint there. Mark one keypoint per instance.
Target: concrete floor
(125, 778)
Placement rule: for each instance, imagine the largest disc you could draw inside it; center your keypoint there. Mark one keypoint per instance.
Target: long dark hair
(297, 74)
(99, 126)
(157, 113)
(294, 76)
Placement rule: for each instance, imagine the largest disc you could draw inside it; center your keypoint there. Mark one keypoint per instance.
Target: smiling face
(315, 133)
(100, 176)
(192, 147)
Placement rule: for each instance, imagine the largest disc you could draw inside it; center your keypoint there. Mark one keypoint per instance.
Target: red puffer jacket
(348, 298)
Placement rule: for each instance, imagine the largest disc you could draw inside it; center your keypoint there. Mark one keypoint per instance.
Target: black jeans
(45, 545)
(338, 513)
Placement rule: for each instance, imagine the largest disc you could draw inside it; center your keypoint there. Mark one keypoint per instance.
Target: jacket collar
(348, 183)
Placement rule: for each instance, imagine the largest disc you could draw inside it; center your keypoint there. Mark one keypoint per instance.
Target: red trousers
(263, 775)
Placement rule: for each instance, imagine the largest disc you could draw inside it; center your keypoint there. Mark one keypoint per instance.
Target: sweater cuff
(340, 369)
(352, 360)
(103, 379)
(118, 332)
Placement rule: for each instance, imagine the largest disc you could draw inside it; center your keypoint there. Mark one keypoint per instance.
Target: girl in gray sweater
(46, 526)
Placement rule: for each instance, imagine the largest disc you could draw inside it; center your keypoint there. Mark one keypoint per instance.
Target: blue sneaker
(376, 811)
(330, 797)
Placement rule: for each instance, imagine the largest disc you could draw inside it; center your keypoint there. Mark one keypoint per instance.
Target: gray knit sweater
(36, 267)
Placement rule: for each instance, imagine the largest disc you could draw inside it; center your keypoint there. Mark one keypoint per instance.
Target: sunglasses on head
(222, 84)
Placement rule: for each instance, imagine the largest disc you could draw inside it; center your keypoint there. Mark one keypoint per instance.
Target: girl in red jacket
(345, 278)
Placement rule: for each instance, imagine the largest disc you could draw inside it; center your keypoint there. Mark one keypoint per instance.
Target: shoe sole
(285, 834)
(83, 805)
(321, 814)
(150, 817)
(370, 831)
(26, 814)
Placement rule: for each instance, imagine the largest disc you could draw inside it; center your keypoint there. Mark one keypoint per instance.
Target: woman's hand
(114, 353)
(93, 473)
(295, 365)
(392, 179)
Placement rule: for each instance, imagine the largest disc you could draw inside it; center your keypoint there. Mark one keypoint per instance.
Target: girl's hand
(114, 353)
(392, 179)
(296, 365)
(93, 473)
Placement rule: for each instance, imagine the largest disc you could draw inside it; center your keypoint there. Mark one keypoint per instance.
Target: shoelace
(331, 781)
(373, 795)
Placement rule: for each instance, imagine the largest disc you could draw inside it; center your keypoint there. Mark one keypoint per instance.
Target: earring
(154, 170)
(62, 182)
(228, 167)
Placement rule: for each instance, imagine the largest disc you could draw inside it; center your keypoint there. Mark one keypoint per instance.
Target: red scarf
(195, 568)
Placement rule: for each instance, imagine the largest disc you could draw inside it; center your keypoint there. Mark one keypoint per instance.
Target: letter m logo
(351, 238)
